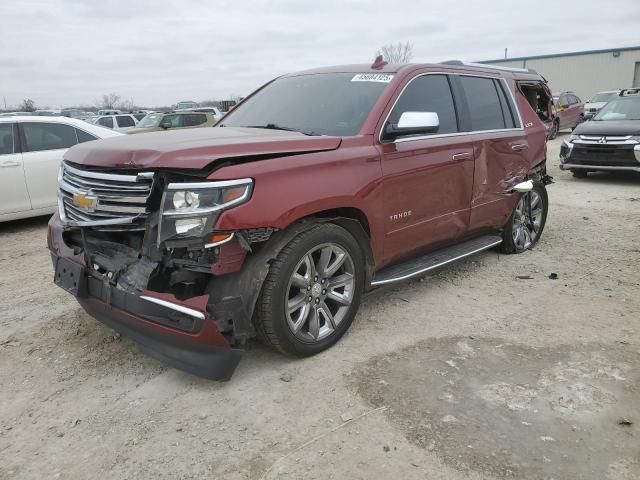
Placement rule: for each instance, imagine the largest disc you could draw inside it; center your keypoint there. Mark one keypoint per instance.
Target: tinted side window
(84, 136)
(573, 99)
(6, 138)
(563, 100)
(125, 121)
(193, 120)
(48, 136)
(106, 122)
(174, 120)
(507, 107)
(428, 93)
(485, 110)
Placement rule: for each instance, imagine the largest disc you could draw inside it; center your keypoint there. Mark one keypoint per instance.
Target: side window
(6, 138)
(125, 121)
(193, 120)
(563, 100)
(106, 122)
(48, 136)
(428, 93)
(507, 106)
(485, 110)
(174, 120)
(84, 136)
(574, 99)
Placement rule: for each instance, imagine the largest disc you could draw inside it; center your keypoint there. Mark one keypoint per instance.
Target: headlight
(190, 210)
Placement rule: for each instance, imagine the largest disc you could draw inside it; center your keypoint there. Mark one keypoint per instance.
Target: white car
(116, 122)
(31, 149)
(599, 100)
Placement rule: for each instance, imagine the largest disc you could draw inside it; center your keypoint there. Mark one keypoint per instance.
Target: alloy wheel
(320, 292)
(527, 220)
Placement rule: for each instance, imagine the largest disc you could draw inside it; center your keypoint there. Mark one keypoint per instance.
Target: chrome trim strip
(212, 184)
(424, 270)
(442, 135)
(178, 308)
(568, 166)
(107, 176)
(221, 242)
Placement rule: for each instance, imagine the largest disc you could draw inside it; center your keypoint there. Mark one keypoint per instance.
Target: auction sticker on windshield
(372, 77)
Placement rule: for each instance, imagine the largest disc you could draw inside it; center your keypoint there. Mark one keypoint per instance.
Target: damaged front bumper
(183, 333)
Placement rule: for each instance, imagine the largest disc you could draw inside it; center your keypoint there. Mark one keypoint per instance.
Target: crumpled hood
(193, 148)
(610, 127)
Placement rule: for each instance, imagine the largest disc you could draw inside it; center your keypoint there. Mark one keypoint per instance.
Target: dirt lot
(470, 372)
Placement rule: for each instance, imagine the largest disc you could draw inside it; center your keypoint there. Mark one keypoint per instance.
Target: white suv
(31, 149)
(116, 122)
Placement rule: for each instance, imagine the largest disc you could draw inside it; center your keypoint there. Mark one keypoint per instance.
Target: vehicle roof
(101, 131)
(454, 65)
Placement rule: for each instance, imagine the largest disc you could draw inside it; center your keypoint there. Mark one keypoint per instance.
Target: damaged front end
(140, 253)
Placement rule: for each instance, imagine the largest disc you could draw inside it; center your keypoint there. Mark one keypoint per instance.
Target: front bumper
(181, 333)
(600, 157)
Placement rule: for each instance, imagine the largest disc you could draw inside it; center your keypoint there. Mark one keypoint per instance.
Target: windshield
(604, 97)
(627, 109)
(318, 104)
(150, 120)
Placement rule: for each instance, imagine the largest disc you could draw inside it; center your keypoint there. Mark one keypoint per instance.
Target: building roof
(568, 54)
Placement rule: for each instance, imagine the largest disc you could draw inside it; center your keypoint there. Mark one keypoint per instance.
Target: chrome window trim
(460, 74)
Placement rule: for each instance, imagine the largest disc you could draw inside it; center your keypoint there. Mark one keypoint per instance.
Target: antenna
(378, 63)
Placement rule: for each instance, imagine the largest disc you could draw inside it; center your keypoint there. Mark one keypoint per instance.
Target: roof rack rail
(625, 92)
(486, 65)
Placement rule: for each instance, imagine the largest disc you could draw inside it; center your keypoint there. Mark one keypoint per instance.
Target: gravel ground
(466, 373)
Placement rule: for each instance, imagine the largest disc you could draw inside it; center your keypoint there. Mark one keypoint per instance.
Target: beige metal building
(585, 72)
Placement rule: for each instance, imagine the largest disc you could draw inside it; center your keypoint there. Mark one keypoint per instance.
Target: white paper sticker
(372, 77)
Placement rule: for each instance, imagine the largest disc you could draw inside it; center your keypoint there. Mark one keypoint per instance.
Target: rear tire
(312, 292)
(526, 223)
(580, 173)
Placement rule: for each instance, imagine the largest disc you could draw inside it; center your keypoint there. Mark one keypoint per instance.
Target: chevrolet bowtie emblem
(85, 201)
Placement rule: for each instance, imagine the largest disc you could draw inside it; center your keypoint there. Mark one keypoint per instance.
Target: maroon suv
(319, 186)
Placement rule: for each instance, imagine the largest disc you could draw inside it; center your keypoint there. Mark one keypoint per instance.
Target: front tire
(580, 173)
(312, 292)
(526, 223)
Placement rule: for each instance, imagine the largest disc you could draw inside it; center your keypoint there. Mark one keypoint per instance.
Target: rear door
(43, 145)
(13, 188)
(499, 145)
(427, 179)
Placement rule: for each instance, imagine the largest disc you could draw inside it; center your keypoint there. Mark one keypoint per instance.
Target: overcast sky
(157, 52)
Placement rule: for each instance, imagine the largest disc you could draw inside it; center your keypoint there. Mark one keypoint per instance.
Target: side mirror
(413, 123)
(165, 125)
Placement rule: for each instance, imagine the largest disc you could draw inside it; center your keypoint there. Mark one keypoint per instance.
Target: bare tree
(127, 105)
(396, 53)
(109, 101)
(27, 105)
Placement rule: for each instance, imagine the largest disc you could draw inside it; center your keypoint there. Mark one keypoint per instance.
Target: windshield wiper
(273, 126)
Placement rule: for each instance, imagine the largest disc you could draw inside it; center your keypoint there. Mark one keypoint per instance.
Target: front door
(427, 179)
(13, 188)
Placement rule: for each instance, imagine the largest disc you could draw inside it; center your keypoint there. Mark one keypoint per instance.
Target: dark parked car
(608, 142)
(569, 112)
(319, 186)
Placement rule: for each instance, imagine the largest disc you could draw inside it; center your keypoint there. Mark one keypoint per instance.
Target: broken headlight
(190, 210)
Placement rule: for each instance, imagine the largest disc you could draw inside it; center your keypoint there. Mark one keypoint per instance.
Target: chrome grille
(92, 198)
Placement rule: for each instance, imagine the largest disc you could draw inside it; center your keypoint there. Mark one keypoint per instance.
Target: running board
(434, 260)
